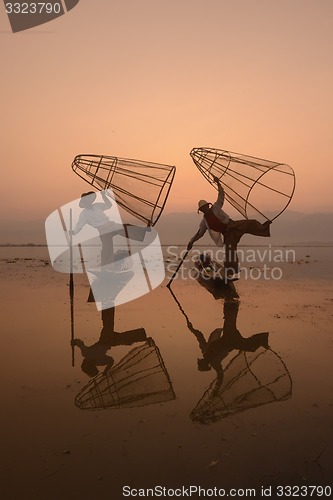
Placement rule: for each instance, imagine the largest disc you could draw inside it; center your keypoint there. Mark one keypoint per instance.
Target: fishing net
(141, 188)
(257, 188)
(139, 379)
(251, 379)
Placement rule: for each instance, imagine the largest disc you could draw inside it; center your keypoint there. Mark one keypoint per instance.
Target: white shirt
(93, 216)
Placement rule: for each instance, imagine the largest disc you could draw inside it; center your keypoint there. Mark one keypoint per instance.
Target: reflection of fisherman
(96, 355)
(217, 222)
(217, 348)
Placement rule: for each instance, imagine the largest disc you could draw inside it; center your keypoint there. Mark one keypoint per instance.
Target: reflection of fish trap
(251, 379)
(257, 188)
(141, 188)
(139, 379)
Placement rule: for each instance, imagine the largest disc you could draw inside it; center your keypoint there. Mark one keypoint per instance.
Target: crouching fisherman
(218, 224)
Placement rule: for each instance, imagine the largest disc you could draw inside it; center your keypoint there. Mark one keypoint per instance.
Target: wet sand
(53, 449)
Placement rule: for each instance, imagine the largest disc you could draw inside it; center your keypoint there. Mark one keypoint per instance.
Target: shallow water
(265, 420)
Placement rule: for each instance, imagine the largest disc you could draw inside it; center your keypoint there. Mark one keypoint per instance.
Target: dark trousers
(235, 230)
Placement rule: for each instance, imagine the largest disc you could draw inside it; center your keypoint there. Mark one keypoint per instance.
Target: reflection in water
(211, 277)
(218, 287)
(96, 355)
(254, 377)
(251, 379)
(106, 285)
(224, 340)
(139, 379)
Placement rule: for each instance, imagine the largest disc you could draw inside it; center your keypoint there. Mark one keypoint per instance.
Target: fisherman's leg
(251, 344)
(108, 317)
(129, 337)
(107, 249)
(248, 226)
(230, 311)
(231, 263)
(136, 233)
(255, 227)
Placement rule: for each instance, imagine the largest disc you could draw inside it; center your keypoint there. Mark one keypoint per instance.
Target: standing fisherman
(94, 215)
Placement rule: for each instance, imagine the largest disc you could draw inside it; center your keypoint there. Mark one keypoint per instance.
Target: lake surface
(256, 410)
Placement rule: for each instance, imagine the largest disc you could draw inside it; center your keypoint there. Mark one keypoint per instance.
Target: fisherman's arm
(199, 234)
(220, 198)
(107, 202)
(199, 336)
(80, 223)
(109, 365)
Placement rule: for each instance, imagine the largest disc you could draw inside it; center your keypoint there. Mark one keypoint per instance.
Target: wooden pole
(71, 281)
(176, 271)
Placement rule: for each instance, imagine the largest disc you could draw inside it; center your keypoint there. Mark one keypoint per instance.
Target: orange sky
(151, 79)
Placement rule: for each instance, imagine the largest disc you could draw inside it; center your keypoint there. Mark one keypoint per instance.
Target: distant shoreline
(273, 245)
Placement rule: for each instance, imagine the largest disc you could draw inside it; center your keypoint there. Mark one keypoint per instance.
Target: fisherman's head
(203, 206)
(203, 365)
(87, 199)
(88, 366)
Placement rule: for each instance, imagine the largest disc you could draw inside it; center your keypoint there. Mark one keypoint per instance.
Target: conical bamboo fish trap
(141, 188)
(251, 379)
(257, 188)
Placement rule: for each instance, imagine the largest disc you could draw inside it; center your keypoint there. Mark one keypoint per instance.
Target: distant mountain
(22, 232)
(289, 228)
(294, 227)
(178, 228)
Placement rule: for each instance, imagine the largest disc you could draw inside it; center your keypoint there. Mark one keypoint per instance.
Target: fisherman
(94, 215)
(218, 223)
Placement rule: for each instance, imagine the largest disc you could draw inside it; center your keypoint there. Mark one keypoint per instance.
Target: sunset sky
(151, 79)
